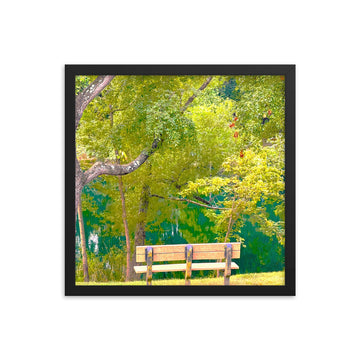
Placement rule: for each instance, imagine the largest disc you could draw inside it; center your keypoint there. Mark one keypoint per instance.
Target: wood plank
(214, 255)
(177, 252)
(158, 249)
(212, 266)
(182, 267)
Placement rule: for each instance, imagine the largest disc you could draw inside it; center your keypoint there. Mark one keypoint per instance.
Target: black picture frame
(71, 71)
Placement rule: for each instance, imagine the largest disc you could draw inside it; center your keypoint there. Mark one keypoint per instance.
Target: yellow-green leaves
(247, 185)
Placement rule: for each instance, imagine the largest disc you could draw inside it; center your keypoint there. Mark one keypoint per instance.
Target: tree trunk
(83, 243)
(230, 224)
(127, 235)
(140, 227)
(123, 207)
(79, 184)
(230, 221)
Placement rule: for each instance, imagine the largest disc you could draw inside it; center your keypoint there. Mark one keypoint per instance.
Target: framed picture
(180, 180)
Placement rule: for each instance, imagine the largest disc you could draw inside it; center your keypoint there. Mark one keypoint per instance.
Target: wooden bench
(188, 252)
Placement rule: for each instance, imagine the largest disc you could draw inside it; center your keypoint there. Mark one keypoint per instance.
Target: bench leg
(189, 258)
(149, 261)
(228, 256)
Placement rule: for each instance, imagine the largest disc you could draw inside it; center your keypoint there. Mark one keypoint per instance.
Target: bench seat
(187, 253)
(182, 267)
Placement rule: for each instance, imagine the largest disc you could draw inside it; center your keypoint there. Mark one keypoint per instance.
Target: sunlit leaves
(247, 185)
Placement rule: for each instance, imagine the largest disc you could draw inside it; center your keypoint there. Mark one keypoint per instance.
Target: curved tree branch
(101, 168)
(189, 201)
(201, 200)
(83, 99)
(192, 98)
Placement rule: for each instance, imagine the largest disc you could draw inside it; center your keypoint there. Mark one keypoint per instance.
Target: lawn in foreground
(269, 278)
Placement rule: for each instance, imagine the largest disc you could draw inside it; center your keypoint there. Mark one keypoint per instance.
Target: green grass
(256, 279)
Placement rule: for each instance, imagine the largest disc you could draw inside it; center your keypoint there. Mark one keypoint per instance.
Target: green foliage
(248, 184)
(259, 94)
(133, 111)
(108, 267)
(230, 90)
(82, 82)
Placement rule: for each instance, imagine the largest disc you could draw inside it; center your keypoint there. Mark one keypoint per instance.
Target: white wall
(38, 38)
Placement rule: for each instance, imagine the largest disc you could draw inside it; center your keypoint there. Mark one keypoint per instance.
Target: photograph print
(180, 180)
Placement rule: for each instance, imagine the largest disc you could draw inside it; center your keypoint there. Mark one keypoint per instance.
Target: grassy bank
(270, 278)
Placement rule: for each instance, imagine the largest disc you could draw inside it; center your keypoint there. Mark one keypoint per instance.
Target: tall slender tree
(83, 243)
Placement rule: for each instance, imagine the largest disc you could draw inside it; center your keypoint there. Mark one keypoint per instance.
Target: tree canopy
(203, 158)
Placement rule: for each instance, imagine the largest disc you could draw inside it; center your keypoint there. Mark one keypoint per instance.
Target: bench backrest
(177, 252)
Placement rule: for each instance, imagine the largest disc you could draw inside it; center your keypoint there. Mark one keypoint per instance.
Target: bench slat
(182, 267)
(214, 255)
(180, 247)
(177, 252)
